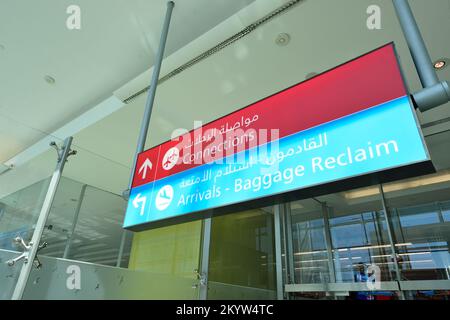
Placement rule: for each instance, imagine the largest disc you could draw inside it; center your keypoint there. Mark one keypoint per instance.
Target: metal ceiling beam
(151, 93)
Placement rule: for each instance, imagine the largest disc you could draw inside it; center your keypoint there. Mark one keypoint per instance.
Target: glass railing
(8, 273)
(85, 224)
(84, 235)
(61, 279)
(24, 178)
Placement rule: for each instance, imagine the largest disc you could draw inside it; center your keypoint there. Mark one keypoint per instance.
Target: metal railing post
(288, 236)
(278, 253)
(33, 246)
(391, 239)
(204, 262)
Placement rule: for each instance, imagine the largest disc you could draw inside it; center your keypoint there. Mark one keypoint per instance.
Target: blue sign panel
(379, 138)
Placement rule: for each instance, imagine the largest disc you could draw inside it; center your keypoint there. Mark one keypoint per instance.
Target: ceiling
(117, 41)
(106, 58)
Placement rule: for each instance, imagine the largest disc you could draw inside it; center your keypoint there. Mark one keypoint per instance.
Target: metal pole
(416, 44)
(285, 262)
(151, 92)
(289, 243)
(121, 248)
(204, 263)
(41, 198)
(42, 220)
(39, 204)
(278, 257)
(435, 93)
(391, 240)
(329, 244)
(75, 221)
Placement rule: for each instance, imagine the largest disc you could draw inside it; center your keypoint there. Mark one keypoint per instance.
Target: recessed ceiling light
(283, 39)
(441, 63)
(49, 79)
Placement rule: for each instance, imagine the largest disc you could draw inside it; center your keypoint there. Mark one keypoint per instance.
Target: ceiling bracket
(60, 151)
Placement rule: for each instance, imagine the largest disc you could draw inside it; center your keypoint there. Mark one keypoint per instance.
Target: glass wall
(334, 239)
(398, 230)
(87, 254)
(425, 232)
(419, 210)
(85, 224)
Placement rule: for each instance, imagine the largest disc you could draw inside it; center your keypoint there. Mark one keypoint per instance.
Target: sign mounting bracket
(434, 93)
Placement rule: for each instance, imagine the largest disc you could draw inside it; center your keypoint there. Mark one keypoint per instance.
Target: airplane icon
(170, 158)
(167, 163)
(164, 195)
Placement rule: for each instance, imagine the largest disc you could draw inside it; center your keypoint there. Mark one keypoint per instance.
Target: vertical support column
(284, 256)
(151, 92)
(204, 262)
(75, 221)
(278, 254)
(395, 224)
(440, 258)
(441, 215)
(121, 248)
(378, 226)
(391, 239)
(329, 243)
(270, 250)
(42, 220)
(289, 248)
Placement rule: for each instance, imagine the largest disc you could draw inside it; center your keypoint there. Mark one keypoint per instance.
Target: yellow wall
(171, 250)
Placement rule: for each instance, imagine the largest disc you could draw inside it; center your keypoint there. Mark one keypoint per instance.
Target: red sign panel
(349, 89)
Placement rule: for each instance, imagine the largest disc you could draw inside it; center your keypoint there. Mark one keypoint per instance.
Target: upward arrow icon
(145, 166)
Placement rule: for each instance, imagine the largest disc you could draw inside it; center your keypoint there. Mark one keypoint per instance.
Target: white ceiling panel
(117, 41)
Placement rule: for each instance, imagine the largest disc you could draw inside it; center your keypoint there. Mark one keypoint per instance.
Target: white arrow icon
(138, 200)
(145, 166)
